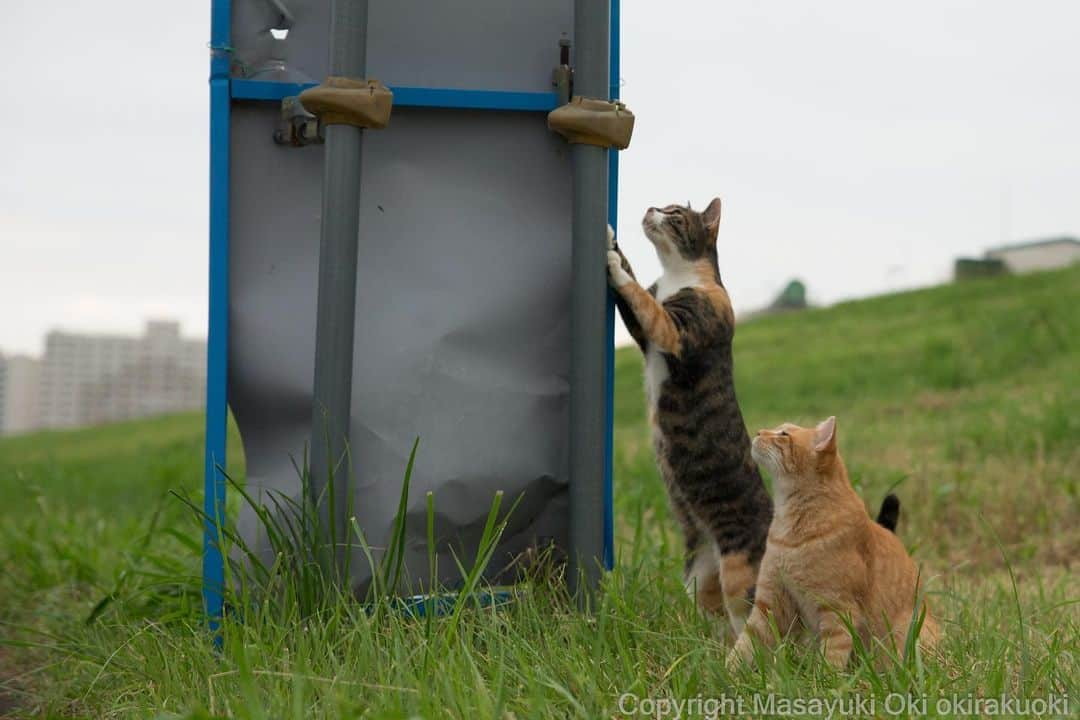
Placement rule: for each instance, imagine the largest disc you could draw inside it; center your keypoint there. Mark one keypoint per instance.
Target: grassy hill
(964, 394)
(964, 397)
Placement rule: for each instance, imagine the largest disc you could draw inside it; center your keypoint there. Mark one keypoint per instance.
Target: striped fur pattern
(828, 567)
(684, 325)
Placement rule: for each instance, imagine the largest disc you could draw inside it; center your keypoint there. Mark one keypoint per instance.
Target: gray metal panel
(462, 323)
(306, 48)
(479, 45)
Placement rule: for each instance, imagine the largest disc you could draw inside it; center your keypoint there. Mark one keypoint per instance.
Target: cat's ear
(825, 436)
(711, 217)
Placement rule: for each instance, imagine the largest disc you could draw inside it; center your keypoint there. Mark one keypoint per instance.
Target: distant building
(149, 386)
(1037, 254)
(20, 378)
(971, 268)
(88, 379)
(792, 297)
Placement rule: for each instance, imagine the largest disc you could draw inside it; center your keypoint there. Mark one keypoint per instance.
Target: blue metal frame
(223, 90)
(217, 359)
(414, 96)
(609, 397)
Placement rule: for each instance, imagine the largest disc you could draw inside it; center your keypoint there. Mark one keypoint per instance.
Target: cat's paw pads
(610, 238)
(616, 274)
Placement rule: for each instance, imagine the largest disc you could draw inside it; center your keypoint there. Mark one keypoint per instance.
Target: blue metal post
(609, 397)
(218, 335)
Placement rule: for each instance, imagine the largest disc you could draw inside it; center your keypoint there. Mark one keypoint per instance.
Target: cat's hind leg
(836, 640)
(900, 627)
(702, 574)
(701, 569)
(737, 578)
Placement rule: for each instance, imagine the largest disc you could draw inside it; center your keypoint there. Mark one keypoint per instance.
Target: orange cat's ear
(711, 217)
(825, 436)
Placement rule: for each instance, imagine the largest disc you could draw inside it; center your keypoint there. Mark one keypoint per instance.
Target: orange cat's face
(793, 452)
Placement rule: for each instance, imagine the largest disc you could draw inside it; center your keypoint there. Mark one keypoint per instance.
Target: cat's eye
(783, 433)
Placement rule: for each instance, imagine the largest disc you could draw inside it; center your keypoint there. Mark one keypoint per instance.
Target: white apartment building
(19, 382)
(89, 379)
(1038, 254)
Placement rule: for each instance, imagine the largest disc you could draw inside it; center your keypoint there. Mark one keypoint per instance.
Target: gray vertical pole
(588, 310)
(337, 291)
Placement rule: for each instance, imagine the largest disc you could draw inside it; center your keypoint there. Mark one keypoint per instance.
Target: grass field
(964, 397)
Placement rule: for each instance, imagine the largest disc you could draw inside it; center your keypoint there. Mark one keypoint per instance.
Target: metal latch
(590, 121)
(562, 77)
(297, 127)
(346, 101)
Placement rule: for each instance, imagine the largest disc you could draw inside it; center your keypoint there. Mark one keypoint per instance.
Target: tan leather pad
(593, 122)
(347, 101)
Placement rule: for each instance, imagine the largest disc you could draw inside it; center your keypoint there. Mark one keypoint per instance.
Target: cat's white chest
(656, 368)
(656, 372)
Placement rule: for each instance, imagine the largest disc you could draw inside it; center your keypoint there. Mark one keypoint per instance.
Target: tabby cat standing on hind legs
(684, 325)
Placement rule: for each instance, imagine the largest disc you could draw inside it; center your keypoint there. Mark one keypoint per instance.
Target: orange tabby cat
(826, 561)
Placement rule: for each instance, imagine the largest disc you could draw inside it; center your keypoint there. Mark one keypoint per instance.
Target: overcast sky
(859, 146)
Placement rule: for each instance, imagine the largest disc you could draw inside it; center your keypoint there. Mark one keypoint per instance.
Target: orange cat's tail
(889, 514)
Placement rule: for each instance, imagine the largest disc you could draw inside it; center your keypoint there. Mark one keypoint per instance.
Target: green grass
(965, 395)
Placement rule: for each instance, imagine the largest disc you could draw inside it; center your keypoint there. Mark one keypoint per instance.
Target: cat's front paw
(617, 276)
(610, 238)
(740, 654)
